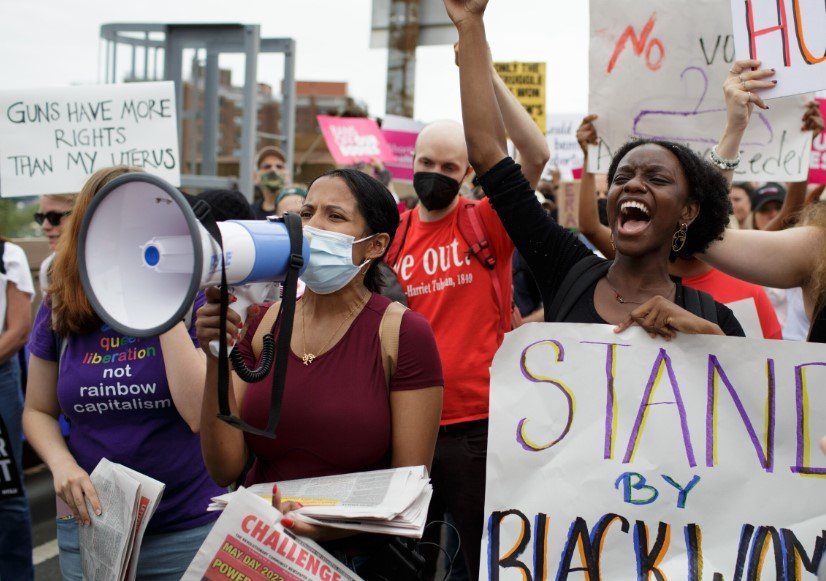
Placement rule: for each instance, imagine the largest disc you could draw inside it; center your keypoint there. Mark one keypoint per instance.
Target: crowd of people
(665, 244)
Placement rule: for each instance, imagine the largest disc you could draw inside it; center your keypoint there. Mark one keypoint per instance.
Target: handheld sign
(527, 83)
(401, 134)
(52, 140)
(354, 139)
(657, 70)
(623, 457)
(566, 155)
(786, 35)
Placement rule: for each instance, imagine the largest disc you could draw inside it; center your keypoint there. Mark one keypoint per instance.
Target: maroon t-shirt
(335, 415)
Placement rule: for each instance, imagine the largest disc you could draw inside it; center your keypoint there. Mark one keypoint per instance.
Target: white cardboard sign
(623, 457)
(787, 35)
(52, 140)
(566, 155)
(657, 70)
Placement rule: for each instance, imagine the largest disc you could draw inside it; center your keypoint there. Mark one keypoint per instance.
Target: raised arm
(589, 224)
(744, 78)
(484, 127)
(531, 146)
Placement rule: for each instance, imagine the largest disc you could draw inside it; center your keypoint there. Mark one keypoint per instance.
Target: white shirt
(18, 272)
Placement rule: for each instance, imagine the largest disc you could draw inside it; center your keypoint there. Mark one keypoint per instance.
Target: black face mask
(435, 191)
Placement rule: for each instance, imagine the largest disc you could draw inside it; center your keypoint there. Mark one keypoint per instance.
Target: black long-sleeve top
(551, 250)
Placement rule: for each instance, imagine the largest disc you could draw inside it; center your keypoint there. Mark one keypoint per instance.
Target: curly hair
(706, 185)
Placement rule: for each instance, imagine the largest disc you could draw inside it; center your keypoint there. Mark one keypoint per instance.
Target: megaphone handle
(241, 305)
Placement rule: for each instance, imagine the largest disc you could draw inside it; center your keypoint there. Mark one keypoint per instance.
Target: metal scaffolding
(162, 47)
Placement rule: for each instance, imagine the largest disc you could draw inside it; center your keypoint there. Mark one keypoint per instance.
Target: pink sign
(402, 144)
(354, 139)
(817, 167)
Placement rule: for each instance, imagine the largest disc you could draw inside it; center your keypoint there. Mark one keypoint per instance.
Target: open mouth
(634, 217)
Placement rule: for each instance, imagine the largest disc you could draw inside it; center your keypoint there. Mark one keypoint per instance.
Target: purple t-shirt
(113, 390)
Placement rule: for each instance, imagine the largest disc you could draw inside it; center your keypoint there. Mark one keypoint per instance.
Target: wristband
(723, 164)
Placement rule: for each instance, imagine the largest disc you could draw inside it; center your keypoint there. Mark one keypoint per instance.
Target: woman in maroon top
(338, 413)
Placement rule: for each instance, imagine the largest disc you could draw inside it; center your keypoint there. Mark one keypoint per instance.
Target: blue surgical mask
(331, 265)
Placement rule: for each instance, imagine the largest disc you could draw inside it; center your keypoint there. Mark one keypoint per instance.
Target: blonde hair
(815, 215)
(71, 312)
(66, 198)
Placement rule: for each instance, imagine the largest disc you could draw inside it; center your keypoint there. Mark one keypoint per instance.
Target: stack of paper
(248, 542)
(392, 501)
(109, 548)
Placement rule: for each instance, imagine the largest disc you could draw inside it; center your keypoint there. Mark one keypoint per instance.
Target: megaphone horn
(143, 255)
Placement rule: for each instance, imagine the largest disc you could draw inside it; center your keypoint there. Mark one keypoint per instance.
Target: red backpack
(472, 229)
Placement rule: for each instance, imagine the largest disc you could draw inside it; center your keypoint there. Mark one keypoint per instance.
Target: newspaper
(110, 547)
(392, 501)
(248, 542)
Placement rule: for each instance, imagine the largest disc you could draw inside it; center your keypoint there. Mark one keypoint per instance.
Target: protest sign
(567, 204)
(817, 168)
(401, 134)
(52, 140)
(527, 82)
(786, 35)
(10, 484)
(657, 71)
(354, 139)
(566, 155)
(624, 457)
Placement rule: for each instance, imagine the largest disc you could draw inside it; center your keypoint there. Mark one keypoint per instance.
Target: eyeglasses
(269, 166)
(52, 216)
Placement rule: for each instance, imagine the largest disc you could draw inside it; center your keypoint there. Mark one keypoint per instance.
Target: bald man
(458, 294)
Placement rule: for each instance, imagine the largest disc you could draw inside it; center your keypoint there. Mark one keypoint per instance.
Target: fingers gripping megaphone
(144, 255)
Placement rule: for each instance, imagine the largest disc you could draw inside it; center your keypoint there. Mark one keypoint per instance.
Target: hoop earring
(678, 241)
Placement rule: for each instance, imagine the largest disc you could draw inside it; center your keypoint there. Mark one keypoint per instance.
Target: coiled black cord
(255, 375)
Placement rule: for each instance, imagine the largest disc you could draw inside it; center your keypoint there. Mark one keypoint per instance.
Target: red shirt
(335, 415)
(727, 289)
(454, 292)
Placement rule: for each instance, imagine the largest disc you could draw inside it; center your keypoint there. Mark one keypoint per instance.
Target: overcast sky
(54, 43)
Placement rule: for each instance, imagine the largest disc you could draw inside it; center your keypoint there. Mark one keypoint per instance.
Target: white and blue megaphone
(144, 255)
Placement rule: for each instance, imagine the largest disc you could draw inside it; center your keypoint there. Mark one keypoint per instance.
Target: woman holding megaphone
(134, 401)
(342, 410)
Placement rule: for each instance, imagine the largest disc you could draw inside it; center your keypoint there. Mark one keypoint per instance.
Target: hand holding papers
(249, 542)
(392, 501)
(109, 548)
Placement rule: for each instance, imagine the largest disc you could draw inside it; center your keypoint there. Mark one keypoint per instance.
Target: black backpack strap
(580, 278)
(2, 250)
(700, 303)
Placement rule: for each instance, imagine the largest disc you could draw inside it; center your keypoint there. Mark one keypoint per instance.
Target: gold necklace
(308, 358)
(622, 300)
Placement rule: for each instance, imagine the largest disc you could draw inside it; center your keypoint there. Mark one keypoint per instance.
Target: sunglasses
(52, 216)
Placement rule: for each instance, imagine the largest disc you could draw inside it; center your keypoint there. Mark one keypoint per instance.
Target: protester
(453, 256)
(657, 189)
(133, 401)
(16, 293)
(740, 195)
(52, 211)
(290, 199)
(271, 177)
(690, 271)
(339, 415)
(783, 259)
